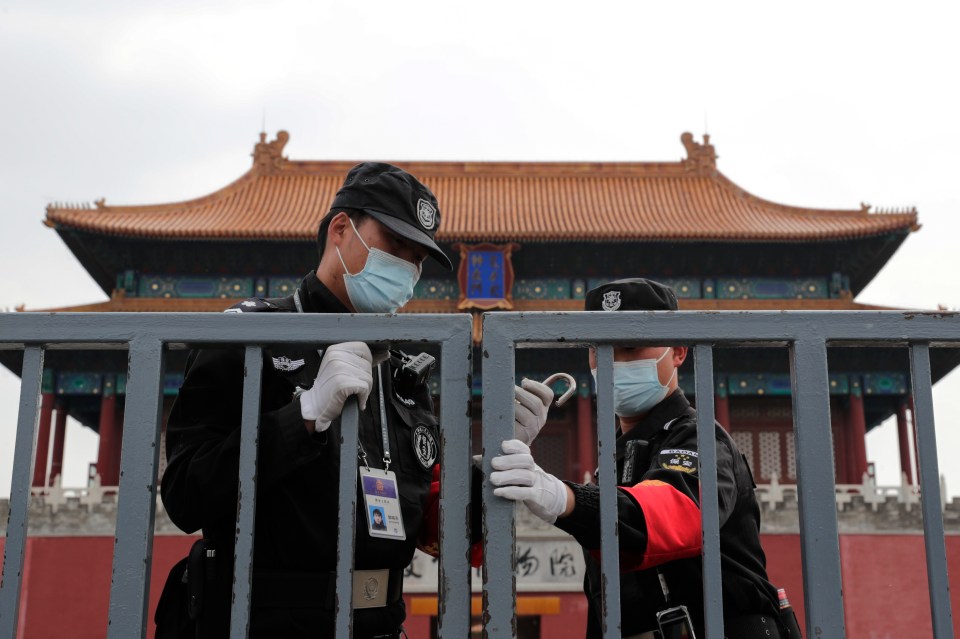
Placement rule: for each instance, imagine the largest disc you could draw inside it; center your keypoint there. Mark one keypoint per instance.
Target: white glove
(346, 369)
(520, 479)
(531, 404)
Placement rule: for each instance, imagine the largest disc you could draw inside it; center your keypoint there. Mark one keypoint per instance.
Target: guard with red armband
(658, 499)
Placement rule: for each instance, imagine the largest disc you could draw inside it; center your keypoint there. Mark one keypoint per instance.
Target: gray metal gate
(147, 336)
(807, 336)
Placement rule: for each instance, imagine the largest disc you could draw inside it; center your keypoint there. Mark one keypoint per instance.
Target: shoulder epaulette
(261, 305)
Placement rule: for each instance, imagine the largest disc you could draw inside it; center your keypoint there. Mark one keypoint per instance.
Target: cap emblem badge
(611, 300)
(426, 214)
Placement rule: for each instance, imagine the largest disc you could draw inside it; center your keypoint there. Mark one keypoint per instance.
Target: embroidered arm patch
(681, 459)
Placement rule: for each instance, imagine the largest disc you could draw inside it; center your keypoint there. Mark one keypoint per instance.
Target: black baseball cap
(394, 198)
(633, 294)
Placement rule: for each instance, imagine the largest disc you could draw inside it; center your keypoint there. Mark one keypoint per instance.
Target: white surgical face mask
(636, 385)
(383, 285)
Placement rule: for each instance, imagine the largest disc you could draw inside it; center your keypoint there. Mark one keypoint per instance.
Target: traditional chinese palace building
(525, 237)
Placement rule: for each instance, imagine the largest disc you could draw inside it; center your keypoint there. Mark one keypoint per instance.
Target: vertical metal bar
(709, 497)
(133, 545)
(16, 543)
(246, 494)
(823, 594)
(347, 517)
(453, 619)
(933, 536)
(609, 516)
(499, 526)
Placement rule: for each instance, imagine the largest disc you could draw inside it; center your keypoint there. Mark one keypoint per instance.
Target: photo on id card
(381, 499)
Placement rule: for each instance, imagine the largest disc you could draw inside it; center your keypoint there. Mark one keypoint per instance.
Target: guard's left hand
(518, 478)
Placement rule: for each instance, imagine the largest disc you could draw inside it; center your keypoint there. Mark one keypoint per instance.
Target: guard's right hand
(531, 403)
(518, 478)
(346, 369)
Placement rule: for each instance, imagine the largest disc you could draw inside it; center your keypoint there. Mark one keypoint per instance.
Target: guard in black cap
(635, 294)
(374, 241)
(376, 236)
(658, 500)
(394, 198)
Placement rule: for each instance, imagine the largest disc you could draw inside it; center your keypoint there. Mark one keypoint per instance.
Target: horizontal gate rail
(147, 336)
(807, 335)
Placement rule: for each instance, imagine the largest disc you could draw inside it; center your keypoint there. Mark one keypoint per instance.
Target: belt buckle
(370, 588)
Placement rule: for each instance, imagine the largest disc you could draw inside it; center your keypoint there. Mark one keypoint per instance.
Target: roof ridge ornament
(268, 156)
(701, 158)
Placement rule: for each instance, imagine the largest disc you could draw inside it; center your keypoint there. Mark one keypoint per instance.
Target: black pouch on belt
(789, 620)
(752, 627)
(200, 575)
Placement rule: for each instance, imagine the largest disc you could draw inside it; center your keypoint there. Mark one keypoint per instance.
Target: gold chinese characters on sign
(486, 276)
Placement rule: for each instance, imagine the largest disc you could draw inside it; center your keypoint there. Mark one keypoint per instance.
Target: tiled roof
(281, 199)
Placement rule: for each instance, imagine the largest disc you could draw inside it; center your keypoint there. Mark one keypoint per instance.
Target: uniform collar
(663, 414)
(317, 298)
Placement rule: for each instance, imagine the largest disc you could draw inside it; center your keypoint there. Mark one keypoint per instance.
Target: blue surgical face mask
(636, 385)
(385, 283)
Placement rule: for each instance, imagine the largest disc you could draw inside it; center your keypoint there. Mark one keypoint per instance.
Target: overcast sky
(820, 104)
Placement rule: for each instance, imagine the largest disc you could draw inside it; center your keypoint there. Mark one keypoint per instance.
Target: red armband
(674, 529)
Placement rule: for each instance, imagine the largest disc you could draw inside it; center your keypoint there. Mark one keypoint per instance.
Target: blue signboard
(485, 275)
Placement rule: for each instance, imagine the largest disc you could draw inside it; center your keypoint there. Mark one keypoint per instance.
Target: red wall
(784, 569)
(885, 582)
(67, 585)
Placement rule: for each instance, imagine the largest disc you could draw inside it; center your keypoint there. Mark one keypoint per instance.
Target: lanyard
(383, 419)
(383, 427)
(383, 406)
(296, 300)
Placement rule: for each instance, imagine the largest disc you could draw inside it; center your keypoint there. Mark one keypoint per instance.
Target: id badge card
(381, 499)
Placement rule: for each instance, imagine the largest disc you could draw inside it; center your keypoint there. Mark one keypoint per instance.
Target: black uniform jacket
(660, 529)
(298, 476)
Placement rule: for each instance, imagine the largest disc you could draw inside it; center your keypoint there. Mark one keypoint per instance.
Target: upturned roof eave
(905, 225)
(187, 217)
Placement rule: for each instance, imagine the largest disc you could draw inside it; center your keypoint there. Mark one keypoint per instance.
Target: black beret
(632, 294)
(394, 198)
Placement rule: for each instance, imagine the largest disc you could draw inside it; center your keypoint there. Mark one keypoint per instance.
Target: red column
(586, 444)
(721, 409)
(848, 470)
(43, 440)
(59, 434)
(903, 438)
(106, 454)
(857, 428)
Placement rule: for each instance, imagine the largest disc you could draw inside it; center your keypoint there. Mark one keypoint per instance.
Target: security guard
(658, 499)
(372, 243)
